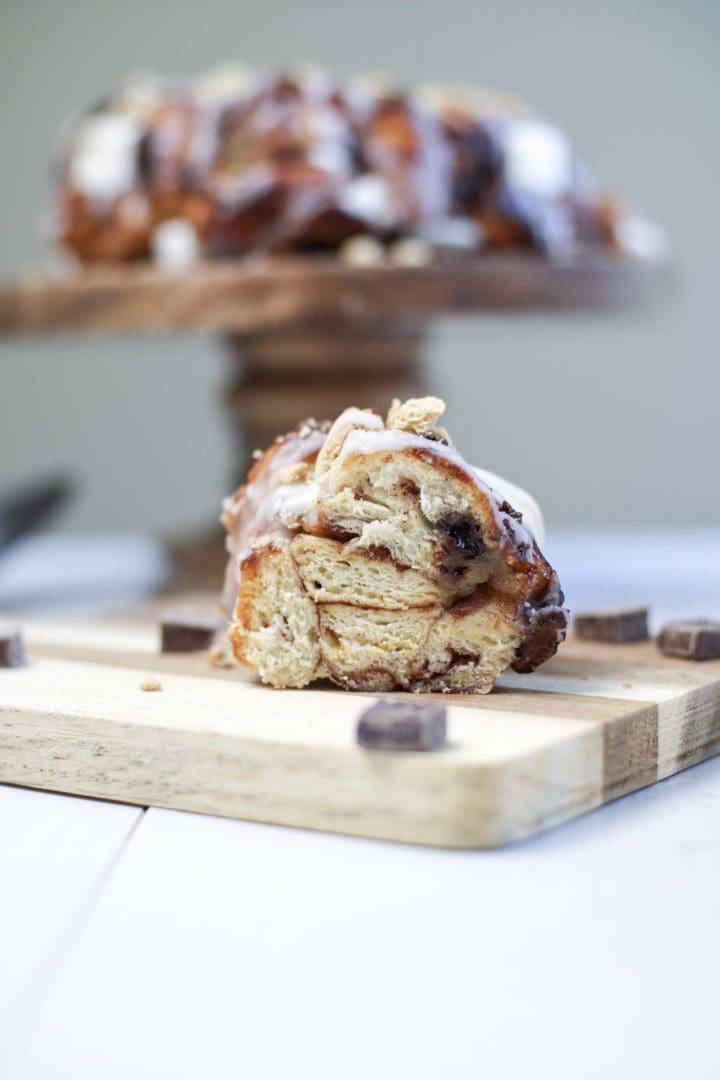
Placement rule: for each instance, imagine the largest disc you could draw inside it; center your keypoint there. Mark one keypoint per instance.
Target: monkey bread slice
(369, 553)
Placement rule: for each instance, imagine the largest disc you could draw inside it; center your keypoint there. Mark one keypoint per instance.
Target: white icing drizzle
(369, 442)
(266, 507)
(328, 147)
(290, 503)
(103, 161)
(359, 418)
(538, 158)
(256, 510)
(370, 199)
(519, 499)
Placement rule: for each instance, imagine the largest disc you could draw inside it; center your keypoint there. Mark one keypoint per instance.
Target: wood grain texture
(261, 294)
(539, 750)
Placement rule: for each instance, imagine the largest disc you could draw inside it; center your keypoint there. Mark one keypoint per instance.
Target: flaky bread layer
(291, 639)
(333, 572)
(373, 649)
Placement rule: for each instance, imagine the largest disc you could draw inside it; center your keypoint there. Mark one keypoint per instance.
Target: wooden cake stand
(309, 335)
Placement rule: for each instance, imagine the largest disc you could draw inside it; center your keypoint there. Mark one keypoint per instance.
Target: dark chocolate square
(185, 630)
(12, 647)
(691, 639)
(616, 625)
(403, 725)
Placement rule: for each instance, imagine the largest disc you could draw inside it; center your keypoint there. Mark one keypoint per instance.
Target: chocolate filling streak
(462, 544)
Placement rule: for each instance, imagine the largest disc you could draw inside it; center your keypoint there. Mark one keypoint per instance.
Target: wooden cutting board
(597, 722)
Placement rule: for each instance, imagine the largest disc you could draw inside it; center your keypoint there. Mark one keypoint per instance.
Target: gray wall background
(609, 421)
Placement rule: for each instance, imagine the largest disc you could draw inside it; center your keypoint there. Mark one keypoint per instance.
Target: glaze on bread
(371, 554)
(238, 162)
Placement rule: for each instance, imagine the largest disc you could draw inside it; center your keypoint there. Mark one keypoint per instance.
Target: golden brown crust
(246, 602)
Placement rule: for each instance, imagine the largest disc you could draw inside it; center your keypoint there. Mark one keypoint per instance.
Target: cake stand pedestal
(284, 375)
(307, 336)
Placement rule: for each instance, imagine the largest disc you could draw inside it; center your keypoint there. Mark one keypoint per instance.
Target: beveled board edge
(577, 751)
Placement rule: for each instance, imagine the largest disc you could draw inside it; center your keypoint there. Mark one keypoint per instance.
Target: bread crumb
(416, 415)
(150, 684)
(627, 685)
(585, 678)
(256, 455)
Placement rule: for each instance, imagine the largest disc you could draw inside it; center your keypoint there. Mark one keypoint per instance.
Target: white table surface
(169, 945)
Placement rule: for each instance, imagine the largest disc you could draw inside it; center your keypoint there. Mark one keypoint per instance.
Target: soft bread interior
(470, 644)
(333, 572)
(373, 649)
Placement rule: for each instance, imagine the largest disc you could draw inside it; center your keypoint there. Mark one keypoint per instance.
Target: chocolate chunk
(692, 639)
(400, 725)
(187, 631)
(629, 624)
(12, 649)
(463, 542)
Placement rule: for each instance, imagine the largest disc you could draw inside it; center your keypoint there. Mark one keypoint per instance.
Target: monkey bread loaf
(239, 162)
(369, 553)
